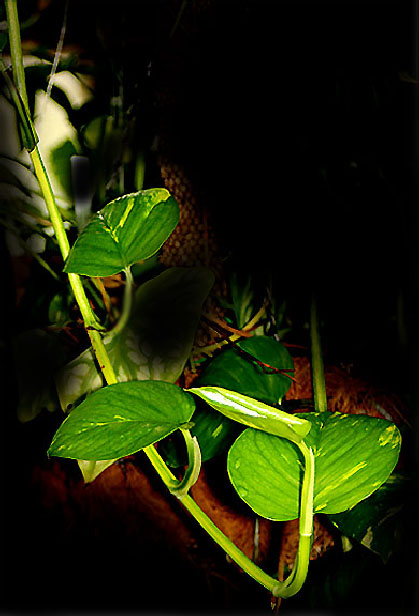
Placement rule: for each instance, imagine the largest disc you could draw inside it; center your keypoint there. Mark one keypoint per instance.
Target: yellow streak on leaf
(130, 205)
(387, 436)
(217, 431)
(354, 470)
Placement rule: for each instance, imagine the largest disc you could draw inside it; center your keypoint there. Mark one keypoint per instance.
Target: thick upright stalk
(16, 49)
(54, 214)
(317, 367)
(89, 318)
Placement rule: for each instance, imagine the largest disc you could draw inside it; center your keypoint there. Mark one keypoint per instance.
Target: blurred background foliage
(293, 118)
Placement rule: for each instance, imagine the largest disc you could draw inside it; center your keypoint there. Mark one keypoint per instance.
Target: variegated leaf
(121, 419)
(127, 230)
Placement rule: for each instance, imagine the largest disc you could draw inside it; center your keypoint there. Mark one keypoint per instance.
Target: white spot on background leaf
(80, 370)
(134, 356)
(143, 373)
(131, 343)
(158, 366)
(72, 385)
(368, 538)
(122, 374)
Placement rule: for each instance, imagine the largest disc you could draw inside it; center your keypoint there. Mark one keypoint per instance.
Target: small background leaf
(231, 370)
(242, 293)
(59, 308)
(60, 166)
(76, 379)
(90, 469)
(377, 522)
(37, 355)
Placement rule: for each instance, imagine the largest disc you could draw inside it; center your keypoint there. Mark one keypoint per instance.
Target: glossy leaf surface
(127, 230)
(232, 370)
(214, 432)
(354, 455)
(251, 412)
(121, 419)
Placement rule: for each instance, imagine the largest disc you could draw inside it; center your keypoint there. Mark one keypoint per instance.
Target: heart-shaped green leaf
(232, 370)
(354, 455)
(127, 230)
(251, 412)
(121, 419)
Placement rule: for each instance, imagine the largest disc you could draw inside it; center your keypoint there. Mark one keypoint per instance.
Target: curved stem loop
(194, 465)
(126, 304)
(176, 487)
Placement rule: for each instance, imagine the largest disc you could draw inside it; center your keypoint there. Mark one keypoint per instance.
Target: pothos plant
(284, 466)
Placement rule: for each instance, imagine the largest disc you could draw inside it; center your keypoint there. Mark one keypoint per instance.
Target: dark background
(296, 123)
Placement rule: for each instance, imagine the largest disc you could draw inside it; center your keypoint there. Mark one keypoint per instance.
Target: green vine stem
(126, 304)
(273, 585)
(92, 326)
(16, 50)
(294, 582)
(317, 367)
(194, 464)
(299, 574)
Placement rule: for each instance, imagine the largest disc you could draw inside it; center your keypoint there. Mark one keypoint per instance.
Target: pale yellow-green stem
(47, 192)
(16, 50)
(299, 574)
(317, 366)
